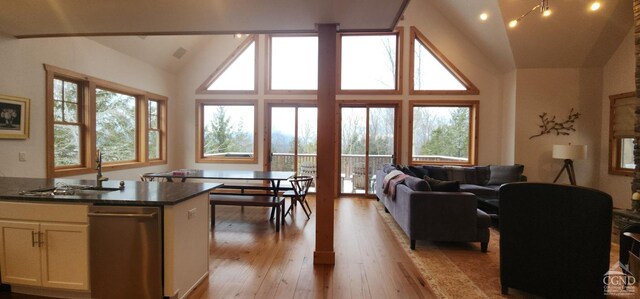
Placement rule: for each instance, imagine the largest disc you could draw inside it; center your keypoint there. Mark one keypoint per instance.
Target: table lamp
(569, 153)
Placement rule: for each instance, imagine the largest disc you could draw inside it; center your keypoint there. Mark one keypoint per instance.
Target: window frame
(200, 158)
(202, 89)
(399, 33)
(138, 99)
(83, 104)
(87, 105)
(162, 127)
(269, 65)
(615, 148)
(414, 35)
(474, 125)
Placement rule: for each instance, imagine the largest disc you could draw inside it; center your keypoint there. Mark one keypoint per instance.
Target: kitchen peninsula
(46, 228)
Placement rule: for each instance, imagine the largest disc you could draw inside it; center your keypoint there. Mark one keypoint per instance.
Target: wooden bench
(255, 200)
(266, 188)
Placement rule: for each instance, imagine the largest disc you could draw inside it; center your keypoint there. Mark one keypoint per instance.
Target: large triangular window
(431, 72)
(237, 74)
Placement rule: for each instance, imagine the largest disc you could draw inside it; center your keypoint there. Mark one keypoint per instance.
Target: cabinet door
(65, 256)
(19, 253)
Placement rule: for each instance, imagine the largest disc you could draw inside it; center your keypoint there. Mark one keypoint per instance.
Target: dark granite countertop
(134, 192)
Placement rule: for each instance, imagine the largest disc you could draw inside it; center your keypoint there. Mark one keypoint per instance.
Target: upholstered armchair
(554, 239)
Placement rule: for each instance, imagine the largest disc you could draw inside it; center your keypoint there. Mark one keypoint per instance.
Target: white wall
(556, 91)
(618, 77)
(508, 135)
(23, 75)
(436, 27)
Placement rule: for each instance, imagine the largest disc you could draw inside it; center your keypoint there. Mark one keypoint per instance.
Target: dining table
(273, 177)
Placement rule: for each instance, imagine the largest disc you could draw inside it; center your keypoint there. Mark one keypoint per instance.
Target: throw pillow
(437, 172)
(417, 184)
(502, 174)
(407, 171)
(444, 186)
(419, 171)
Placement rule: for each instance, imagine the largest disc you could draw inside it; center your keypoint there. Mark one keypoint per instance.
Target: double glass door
(368, 140)
(368, 134)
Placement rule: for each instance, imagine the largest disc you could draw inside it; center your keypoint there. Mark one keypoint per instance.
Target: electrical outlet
(22, 156)
(191, 213)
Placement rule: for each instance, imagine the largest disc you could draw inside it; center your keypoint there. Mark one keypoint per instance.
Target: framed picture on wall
(14, 117)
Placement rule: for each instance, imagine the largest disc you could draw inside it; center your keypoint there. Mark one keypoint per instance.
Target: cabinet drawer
(44, 212)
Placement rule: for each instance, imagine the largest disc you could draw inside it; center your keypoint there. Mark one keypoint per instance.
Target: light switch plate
(22, 156)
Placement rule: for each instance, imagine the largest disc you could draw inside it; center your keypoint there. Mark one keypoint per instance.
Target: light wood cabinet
(45, 254)
(20, 253)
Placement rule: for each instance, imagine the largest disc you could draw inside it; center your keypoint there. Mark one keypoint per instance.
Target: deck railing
(348, 163)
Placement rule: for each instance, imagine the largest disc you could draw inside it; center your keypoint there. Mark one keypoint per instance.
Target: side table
(622, 218)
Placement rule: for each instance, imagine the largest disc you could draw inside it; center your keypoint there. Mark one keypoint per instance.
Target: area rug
(460, 270)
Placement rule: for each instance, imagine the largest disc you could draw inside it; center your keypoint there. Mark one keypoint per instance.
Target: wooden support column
(327, 145)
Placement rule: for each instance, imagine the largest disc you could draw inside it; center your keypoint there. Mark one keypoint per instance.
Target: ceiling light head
(484, 16)
(544, 10)
(595, 6)
(238, 35)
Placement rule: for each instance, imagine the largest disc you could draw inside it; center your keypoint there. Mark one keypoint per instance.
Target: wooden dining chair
(145, 178)
(300, 185)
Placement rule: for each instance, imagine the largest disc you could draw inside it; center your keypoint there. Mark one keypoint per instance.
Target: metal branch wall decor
(550, 125)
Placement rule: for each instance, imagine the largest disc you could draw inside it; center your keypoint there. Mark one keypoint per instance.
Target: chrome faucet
(99, 176)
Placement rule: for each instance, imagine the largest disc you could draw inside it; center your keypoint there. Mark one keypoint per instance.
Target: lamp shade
(572, 152)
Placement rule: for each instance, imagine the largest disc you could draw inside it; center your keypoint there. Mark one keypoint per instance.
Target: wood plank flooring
(248, 259)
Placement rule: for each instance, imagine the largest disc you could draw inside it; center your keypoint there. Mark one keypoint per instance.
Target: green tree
(221, 136)
(452, 138)
(424, 122)
(115, 125)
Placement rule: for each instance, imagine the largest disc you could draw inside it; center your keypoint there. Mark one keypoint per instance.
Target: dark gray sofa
(444, 216)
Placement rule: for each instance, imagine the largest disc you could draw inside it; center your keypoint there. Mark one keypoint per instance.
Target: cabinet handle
(33, 239)
(40, 239)
(126, 215)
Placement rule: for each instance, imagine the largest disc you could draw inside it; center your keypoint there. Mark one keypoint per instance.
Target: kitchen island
(45, 228)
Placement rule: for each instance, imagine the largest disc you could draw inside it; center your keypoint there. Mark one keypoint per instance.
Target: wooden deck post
(326, 190)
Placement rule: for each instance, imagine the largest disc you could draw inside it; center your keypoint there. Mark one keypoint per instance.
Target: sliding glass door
(369, 139)
(293, 138)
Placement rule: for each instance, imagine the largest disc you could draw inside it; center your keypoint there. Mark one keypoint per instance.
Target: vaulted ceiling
(573, 36)
(29, 18)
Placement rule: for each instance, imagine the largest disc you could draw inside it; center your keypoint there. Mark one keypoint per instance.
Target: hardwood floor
(248, 259)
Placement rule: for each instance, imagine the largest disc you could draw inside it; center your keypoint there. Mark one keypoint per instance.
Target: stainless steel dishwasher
(125, 252)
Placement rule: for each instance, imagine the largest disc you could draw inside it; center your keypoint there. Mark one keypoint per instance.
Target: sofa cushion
(417, 184)
(483, 174)
(482, 191)
(502, 174)
(419, 171)
(456, 173)
(444, 186)
(437, 172)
